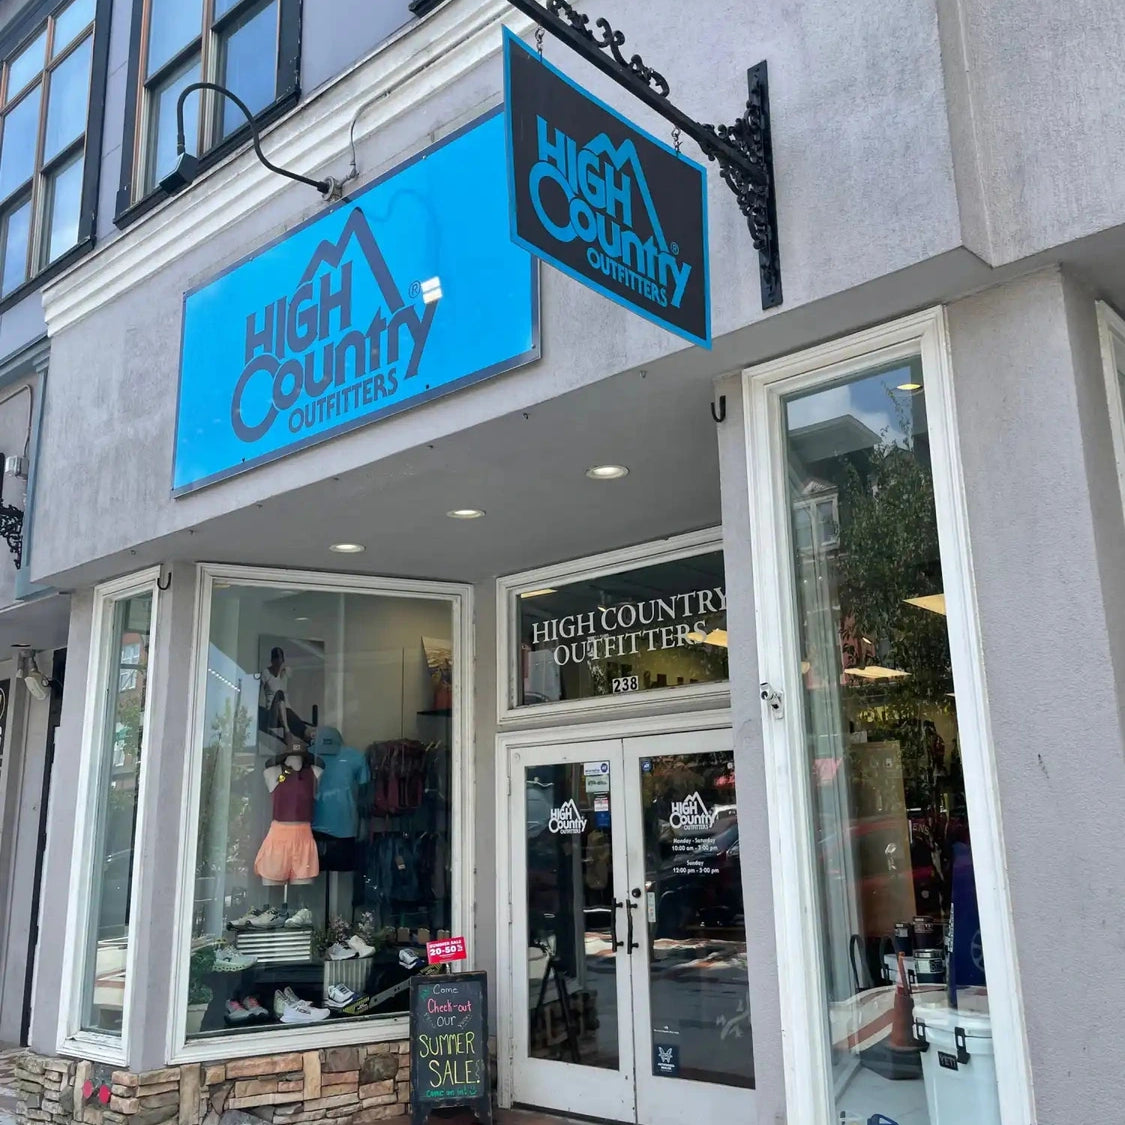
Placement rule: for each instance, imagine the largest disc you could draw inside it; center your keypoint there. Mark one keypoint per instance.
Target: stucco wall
(865, 186)
(1048, 551)
(1035, 106)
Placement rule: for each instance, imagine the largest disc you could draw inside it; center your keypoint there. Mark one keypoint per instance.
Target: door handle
(616, 944)
(630, 943)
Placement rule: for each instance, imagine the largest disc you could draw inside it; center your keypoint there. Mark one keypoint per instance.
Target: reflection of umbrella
(725, 782)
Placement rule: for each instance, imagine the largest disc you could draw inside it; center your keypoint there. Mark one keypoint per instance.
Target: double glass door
(628, 934)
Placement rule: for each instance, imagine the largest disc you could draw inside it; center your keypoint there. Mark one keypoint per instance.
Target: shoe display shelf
(353, 972)
(284, 944)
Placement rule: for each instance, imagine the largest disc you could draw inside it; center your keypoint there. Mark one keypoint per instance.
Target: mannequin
(288, 853)
(336, 814)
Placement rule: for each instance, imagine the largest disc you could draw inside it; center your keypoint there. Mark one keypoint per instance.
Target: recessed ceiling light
(876, 672)
(465, 514)
(607, 472)
(300, 619)
(909, 387)
(347, 548)
(935, 603)
(536, 593)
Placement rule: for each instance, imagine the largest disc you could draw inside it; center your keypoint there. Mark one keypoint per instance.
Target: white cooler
(959, 1068)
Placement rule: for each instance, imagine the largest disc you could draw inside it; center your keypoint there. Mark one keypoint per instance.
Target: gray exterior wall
(915, 150)
(1048, 547)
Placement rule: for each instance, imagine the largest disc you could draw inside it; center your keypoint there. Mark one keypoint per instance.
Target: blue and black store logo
(604, 201)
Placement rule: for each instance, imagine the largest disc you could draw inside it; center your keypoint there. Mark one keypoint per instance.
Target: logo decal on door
(692, 815)
(567, 820)
(666, 1061)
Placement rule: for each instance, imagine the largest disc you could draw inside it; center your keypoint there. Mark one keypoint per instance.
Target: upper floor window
(249, 46)
(48, 171)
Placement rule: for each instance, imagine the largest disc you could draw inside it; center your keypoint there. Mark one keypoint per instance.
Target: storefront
(705, 681)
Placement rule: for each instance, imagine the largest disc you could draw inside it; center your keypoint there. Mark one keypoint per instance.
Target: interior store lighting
(909, 387)
(536, 593)
(877, 672)
(935, 603)
(607, 472)
(347, 548)
(717, 637)
(465, 513)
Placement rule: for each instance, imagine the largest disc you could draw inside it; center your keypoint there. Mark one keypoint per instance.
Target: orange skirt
(288, 853)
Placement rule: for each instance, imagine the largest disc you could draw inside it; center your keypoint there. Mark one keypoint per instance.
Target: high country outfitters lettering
(319, 366)
(599, 211)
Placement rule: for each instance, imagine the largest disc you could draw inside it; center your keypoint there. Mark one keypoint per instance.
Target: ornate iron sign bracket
(743, 150)
(11, 529)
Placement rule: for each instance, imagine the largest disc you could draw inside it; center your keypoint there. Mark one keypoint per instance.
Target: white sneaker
(228, 960)
(264, 921)
(361, 947)
(339, 996)
(303, 917)
(304, 1012)
(338, 952)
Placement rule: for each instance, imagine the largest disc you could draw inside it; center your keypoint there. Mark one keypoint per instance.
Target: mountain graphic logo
(588, 195)
(336, 345)
(692, 815)
(567, 820)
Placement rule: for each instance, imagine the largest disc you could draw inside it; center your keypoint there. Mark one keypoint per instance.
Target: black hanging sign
(449, 1045)
(604, 201)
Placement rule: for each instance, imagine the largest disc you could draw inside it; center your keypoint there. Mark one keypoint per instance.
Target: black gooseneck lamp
(187, 165)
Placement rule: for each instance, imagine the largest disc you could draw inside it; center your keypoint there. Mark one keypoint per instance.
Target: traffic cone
(902, 1029)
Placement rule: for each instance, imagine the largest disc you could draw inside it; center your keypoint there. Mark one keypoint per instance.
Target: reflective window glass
(18, 143)
(162, 128)
(249, 64)
(17, 228)
(26, 65)
(70, 22)
(657, 626)
(68, 99)
(324, 845)
(903, 962)
(173, 24)
(119, 751)
(64, 206)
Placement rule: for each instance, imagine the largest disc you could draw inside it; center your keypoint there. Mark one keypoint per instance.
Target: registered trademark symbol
(675, 248)
(416, 286)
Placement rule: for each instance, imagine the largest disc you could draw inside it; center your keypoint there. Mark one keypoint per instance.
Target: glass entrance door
(628, 930)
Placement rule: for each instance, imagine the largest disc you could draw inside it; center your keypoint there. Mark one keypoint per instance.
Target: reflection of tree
(888, 553)
(231, 739)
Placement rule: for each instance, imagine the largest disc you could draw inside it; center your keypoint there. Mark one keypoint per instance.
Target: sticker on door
(665, 1061)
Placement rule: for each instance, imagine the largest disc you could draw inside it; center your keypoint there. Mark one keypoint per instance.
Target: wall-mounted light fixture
(187, 164)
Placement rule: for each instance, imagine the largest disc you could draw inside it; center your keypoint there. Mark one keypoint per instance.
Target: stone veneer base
(348, 1085)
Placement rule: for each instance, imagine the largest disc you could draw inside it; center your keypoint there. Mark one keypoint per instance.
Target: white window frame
(808, 1072)
(179, 1049)
(1111, 335)
(71, 1038)
(508, 590)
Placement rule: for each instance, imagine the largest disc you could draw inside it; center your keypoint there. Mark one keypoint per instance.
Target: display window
(326, 768)
(109, 824)
(617, 628)
(877, 712)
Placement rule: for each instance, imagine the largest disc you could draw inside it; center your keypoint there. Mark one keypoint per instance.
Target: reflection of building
(903, 725)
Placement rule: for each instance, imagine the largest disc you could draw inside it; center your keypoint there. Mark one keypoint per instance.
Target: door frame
(506, 743)
(808, 1076)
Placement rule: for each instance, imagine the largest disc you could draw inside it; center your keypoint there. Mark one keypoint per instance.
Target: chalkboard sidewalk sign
(449, 1045)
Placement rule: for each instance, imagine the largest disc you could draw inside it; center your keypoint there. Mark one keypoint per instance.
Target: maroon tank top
(295, 795)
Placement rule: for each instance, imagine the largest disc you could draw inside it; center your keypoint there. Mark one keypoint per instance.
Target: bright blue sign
(407, 290)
